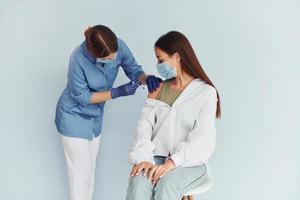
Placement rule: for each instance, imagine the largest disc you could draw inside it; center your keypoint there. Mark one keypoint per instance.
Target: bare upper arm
(154, 94)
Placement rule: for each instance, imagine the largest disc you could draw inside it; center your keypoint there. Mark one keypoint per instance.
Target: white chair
(205, 186)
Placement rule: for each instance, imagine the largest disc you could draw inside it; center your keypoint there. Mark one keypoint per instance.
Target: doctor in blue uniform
(93, 68)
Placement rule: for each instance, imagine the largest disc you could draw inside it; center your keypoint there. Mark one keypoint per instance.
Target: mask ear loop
(170, 63)
(174, 54)
(102, 52)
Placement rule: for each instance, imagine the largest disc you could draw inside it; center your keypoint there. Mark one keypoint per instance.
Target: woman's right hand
(124, 90)
(138, 168)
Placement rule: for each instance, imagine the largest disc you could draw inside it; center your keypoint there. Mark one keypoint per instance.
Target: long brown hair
(101, 40)
(175, 41)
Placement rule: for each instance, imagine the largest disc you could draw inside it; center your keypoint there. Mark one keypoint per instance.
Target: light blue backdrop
(250, 49)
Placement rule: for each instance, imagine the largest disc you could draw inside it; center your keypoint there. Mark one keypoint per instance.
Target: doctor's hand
(152, 83)
(143, 166)
(124, 90)
(158, 171)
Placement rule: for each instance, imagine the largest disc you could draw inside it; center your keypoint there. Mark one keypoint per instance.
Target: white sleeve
(143, 148)
(200, 142)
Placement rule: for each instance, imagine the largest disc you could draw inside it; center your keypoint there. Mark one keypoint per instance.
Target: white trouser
(81, 157)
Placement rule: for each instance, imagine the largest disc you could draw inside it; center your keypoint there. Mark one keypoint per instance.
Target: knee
(165, 188)
(139, 181)
(139, 188)
(164, 184)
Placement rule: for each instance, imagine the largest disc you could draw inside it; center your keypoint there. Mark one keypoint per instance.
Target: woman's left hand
(158, 171)
(138, 168)
(152, 83)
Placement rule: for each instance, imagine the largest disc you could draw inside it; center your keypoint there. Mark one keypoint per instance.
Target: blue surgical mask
(107, 61)
(166, 71)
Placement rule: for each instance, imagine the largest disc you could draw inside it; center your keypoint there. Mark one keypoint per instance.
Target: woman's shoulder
(77, 54)
(155, 93)
(203, 86)
(122, 45)
(207, 91)
(77, 51)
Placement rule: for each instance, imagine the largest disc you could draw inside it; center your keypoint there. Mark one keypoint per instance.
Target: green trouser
(172, 186)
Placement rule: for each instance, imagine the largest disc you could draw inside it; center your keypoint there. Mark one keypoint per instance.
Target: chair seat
(205, 186)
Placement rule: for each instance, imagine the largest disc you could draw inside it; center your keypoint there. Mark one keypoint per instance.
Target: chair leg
(190, 197)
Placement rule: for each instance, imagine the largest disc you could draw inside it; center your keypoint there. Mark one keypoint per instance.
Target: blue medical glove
(152, 83)
(124, 90)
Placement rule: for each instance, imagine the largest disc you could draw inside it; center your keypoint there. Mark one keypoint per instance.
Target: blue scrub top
(75, 115)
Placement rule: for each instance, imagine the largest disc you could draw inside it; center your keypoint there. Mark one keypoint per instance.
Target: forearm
(99, 97)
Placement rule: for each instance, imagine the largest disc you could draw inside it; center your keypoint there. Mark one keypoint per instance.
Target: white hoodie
(186, 129)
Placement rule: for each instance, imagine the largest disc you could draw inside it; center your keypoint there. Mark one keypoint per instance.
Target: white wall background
(250, 49)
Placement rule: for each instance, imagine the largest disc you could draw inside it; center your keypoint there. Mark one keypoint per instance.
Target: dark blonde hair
(101, 40)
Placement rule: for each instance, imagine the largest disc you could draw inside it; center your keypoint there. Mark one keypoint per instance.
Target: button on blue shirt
(75, 115)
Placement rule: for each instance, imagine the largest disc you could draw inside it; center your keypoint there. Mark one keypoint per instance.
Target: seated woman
(176, 132)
